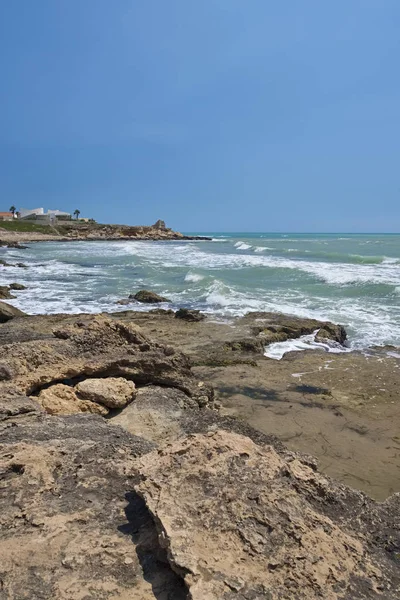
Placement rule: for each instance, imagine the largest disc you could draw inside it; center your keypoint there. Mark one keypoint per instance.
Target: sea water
(349, 279)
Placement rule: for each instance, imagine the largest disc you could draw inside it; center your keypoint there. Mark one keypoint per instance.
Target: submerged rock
(8, 312)
(148, 297)
(113, 392)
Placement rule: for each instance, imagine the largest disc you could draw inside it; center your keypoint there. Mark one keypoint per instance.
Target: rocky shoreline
(162, 455)
(95, 232)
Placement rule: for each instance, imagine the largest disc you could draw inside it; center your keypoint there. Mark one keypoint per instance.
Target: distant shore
(23, 231)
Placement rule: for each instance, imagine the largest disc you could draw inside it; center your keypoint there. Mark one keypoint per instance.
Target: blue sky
(215, 115)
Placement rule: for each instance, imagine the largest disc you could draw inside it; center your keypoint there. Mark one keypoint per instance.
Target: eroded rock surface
(240, 521)
(88, 347)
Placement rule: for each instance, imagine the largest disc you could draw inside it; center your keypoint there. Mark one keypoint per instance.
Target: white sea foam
(305, 342)
(242, 246)
(193, 277)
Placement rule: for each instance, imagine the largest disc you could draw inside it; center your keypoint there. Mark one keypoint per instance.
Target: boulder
(61, 399)
(40, 351)
(113, 392)
(8, 312)
(5, 263)
(5, 292)
(22, 265)
(187, 314)
(17, 286)
(148, 297)
(240, 520)
(277, 327)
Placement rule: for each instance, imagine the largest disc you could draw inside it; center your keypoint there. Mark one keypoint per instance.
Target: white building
(38, 214)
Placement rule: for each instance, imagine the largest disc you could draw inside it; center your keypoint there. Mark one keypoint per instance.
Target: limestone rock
(8, 312)
(148, 297)
(187, 314)
(159, 225)
(276, 327)
(240, 521)
(113, 392)
(61, 399)
(41, 351)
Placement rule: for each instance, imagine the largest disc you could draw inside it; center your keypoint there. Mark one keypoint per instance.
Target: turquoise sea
(350, 279)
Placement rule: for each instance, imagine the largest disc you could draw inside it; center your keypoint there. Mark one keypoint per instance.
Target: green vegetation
(77, 212)
(25, 226)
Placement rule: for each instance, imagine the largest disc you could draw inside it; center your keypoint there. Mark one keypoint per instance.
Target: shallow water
(350, 279)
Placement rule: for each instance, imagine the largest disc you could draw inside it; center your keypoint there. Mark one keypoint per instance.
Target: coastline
(95, 232)
(168, 438)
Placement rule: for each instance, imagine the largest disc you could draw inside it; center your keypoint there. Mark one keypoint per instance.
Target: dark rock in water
(148, 297)
(5, 292)
(22, 265)
(276, 327)
(5, 263)
(329, 331)
(16, 245)
(17, 286)
(187, 314)
(8, 312)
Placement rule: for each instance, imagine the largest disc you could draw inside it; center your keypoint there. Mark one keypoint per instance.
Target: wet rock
(148, 297)
(187, 314)
(276, 327)
(113, 392)
(5, 263)
(21, 265)
(8, 312)
(124, 301)
(62, 399)
(5, 292)
(17, 286)
(241, 521)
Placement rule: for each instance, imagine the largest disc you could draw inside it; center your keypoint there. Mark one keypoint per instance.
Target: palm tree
(13, 210)
(77, 213)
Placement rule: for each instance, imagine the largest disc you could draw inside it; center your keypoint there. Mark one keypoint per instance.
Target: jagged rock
(113, 392)
(276, 327)
(5, 292)
(187, 314)
(17, 286)
(240, 521)
(62, 399)
(159, 225)
(8, 312)
(84, 347)
(148, 297)
(22, 265)
(70, 525)
(5, 263)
